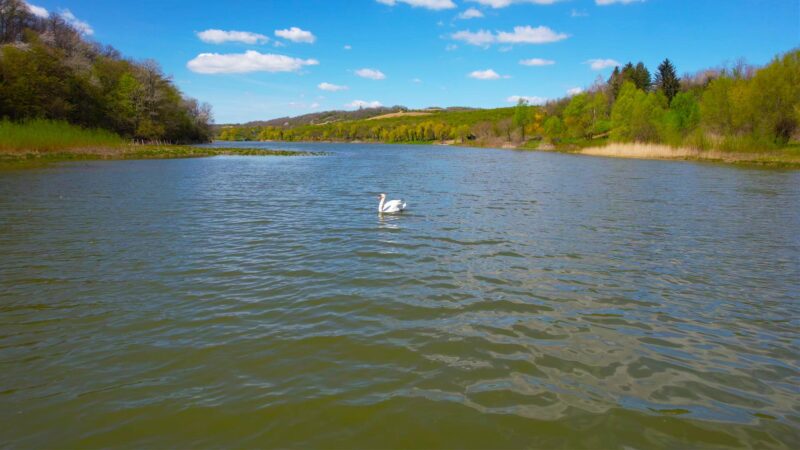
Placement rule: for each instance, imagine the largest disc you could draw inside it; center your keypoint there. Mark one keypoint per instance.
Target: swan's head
(382, 196)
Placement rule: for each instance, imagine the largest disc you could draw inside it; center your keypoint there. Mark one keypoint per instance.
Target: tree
(683, 116)
(641, 77)
(521, 116)
(615, 82)
(667, 80)
(774, 98)
(554, 128)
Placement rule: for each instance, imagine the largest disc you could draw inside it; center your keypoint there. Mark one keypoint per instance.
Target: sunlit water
(524, 300)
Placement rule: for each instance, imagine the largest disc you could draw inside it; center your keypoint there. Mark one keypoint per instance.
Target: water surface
(526, 300)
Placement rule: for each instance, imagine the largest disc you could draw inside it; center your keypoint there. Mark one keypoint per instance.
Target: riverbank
(785, 157)
(17, 159)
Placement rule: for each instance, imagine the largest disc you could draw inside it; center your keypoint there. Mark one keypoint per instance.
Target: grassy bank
(52, 136)
(39, 142)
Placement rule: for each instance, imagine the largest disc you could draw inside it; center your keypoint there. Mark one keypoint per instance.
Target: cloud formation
(295, 34)
(249, 61)
(621, 2)
(537, 62)
(214, 36)
(600, 64)
(534, 100)
(362, 104)
(82, 27)
(332, 87)
(574, 91)
(37, 11)
(496, 4)
(427, 4)
(520, 35)
(471, 13)
(487, 74)
(372, 74)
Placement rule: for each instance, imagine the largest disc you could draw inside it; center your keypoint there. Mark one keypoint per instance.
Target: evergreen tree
(615, 82)
(641, 77)
(667, 80)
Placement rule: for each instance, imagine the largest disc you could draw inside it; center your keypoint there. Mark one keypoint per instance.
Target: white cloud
(503, 3)
(295, 34)
(372, 74)
(314, 105)
(37, 11)
(471, 13)
(362, 104)
(214, 36)
(416, 80)
(578, 13)
(481, 38)
(574, 91)
(80, 25)
(520, 35)
(536, 62)
(611, 2)
(600, 64)
(487, 74)
(331, 87)
(450, 47)
(249, 61)
(348, 47)
(530, 35)
(427, 4)
(529, 100)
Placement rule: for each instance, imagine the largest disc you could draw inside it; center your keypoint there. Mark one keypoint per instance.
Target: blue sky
(421, 52)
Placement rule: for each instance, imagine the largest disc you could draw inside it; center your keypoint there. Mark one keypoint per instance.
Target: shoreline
(788, 157)
(33, 158)
(784, 158)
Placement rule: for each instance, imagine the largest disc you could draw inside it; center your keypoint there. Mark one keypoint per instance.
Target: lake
(524, 300)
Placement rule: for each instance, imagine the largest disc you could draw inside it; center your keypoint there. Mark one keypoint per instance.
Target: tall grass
(52, 136)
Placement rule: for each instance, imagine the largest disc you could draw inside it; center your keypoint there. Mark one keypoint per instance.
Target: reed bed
(789, 156)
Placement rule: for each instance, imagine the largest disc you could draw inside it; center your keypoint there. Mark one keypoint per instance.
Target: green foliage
(554, 128)
(43, 135)
(433, 126)
(682, 117)
(48, 71)
(521, 116)
(739, 110)
(774, 96)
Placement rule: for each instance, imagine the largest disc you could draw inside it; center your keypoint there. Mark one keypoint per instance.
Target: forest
(734, 108)
(50, 72)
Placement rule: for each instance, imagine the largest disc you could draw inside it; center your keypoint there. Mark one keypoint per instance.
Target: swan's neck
(380, 205)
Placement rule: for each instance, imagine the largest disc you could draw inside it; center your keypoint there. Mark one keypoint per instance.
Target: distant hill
(326, 117)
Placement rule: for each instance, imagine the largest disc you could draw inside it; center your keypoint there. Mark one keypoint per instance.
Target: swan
(391, 206)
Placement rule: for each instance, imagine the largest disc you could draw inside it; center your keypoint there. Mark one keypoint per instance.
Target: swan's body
(391, 206)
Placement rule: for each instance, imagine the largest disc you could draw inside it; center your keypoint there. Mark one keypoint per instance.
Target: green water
(525, 300)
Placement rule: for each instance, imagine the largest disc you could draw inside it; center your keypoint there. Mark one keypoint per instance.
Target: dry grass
(638, 150)
(400, 114)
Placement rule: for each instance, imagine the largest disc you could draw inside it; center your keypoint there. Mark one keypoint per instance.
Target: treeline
(49, 71)
(738, 108)
(425, 126)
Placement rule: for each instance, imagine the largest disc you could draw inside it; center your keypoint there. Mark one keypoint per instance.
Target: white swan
(391, 206)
